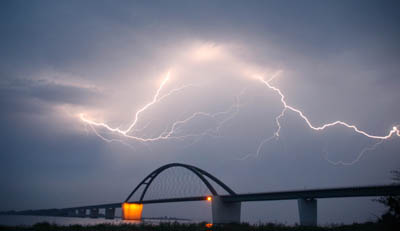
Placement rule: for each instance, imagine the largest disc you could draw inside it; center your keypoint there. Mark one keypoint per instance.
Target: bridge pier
(307, 211)
(225, 212)
(94, 213)
(71, 213)
(81, 212)
(109, 213)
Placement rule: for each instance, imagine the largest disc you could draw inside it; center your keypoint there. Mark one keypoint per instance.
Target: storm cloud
(339, 61)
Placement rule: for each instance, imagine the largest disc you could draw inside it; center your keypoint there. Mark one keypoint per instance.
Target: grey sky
(340, 61)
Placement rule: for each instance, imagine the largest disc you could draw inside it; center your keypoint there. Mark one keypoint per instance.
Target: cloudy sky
(105, 60)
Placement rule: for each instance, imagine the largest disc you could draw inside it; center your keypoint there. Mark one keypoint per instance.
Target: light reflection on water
(13, 220)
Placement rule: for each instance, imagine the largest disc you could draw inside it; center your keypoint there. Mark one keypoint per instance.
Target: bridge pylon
(225, 212)
(109, 213)
(82, 212)
(307, 211)
(94, 213)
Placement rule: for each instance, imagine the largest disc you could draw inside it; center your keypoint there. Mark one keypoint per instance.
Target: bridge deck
(366, 191)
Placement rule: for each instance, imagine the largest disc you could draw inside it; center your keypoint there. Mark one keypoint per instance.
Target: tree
(392, 215)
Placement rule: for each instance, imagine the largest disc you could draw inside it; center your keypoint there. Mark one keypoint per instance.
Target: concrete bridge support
(94, 213)
(225, 212)
(81, 212)
(110, 213)
(308, 211)
(71, 213)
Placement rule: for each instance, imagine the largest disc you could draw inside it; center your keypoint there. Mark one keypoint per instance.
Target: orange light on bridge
(209, 198)
(132, 211)
(209, 225)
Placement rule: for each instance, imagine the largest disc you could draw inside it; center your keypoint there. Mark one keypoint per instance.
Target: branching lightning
(132, 125)
(367, 149)
(393, 132)
(173, 131)
(338, 122)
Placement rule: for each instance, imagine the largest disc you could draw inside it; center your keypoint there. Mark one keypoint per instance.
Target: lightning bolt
(393, 132)
(132, 125)
(367, 149)
(172, 132)
(168, 133)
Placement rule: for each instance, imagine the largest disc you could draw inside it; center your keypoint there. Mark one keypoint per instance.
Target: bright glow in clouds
(168, 133)
(205, 53)
(125, 133)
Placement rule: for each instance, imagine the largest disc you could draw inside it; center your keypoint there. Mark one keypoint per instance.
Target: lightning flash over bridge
(225, 203)
(170, 133)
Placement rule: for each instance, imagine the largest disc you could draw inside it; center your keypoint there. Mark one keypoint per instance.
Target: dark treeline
(44, 226)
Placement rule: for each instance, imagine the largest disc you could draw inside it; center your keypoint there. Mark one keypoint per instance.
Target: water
(14, 220)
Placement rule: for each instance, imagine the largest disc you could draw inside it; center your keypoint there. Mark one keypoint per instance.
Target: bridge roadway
(226, 208)
(365, 191)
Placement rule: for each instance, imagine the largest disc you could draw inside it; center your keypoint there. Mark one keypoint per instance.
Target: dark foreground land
(202, 227)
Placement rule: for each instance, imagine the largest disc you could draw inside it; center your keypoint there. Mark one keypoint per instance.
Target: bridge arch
(146, 182)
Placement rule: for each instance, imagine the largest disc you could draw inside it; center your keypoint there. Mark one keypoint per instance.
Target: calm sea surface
(12, 220)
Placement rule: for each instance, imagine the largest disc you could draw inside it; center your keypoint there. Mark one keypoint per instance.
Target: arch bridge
(226, 208)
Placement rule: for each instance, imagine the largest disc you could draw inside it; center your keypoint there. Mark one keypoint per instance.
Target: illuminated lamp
(132, 211)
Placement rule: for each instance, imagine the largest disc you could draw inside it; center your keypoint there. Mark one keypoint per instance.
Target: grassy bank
(369, 226)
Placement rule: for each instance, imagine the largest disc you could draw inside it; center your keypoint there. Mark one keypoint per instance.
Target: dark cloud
(340, 61)
(19, 91)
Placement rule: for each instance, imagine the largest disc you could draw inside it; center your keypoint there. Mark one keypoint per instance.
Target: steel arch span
(201, 174)
(225, 208)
